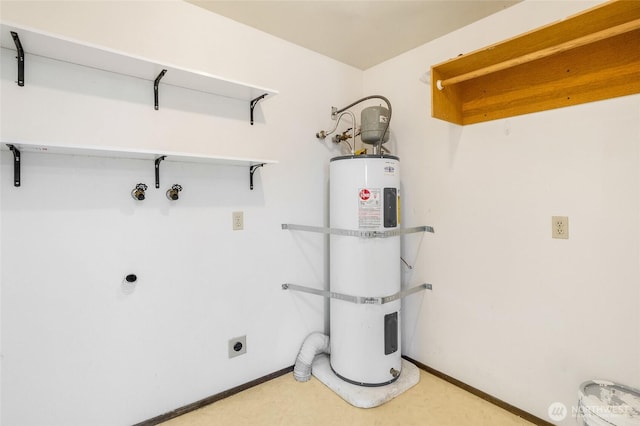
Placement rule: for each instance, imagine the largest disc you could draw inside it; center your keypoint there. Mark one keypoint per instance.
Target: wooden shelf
(591, 56)
(36, 42)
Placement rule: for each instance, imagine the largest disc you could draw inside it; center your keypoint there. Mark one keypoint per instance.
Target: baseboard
(213, 398)
(477, 392)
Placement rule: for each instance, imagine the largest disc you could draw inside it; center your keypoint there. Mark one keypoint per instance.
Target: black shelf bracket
(16, 164)
(253, 104)
(252, 170)
(156, 83)
(20, 58)
(158, 160)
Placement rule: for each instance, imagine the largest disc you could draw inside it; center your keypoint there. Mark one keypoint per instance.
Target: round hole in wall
(129, 283)
(237, 347)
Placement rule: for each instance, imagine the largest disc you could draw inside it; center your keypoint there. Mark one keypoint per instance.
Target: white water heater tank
(365, 337)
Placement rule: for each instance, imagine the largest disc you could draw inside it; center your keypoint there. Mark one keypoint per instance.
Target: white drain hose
(314, 344)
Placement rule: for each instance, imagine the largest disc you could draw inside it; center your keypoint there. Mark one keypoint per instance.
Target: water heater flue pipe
(314, 344)
(336, 112)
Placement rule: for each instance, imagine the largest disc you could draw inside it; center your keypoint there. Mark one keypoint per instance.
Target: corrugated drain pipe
(315, 343)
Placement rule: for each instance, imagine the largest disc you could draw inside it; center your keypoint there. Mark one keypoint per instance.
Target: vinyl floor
(285, 402)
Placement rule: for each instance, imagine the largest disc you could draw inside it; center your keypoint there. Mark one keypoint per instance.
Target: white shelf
(39, 43)
(36, 42)
(111, 152)
(137, 154)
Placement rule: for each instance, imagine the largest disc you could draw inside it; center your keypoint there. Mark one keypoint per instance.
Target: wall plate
(237, 346)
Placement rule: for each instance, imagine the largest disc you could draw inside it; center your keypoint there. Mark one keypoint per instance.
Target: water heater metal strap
(360, 300)
(361, 234)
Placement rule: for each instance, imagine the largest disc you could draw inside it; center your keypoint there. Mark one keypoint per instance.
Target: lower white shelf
(139, 154)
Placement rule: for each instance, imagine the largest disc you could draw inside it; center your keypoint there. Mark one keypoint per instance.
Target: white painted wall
(76, 349)
(519, 315)
(513, 312)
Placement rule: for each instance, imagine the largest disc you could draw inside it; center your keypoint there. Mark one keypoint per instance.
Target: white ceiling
(358, 33)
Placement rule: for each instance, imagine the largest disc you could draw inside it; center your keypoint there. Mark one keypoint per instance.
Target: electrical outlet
(237, 346)
(238, 221)
(560, 227)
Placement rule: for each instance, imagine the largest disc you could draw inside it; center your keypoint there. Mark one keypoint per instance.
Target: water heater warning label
(369, 208)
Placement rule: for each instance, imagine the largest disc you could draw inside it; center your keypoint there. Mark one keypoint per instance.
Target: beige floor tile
(285, 402)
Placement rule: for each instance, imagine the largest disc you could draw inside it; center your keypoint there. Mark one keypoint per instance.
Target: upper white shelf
(36, 42)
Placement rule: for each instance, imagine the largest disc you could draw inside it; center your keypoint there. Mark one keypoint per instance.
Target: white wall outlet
(238, 221)
(237, 346)
(560, 227)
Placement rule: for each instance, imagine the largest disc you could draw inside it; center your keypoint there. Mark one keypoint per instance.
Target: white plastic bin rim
(616, 404)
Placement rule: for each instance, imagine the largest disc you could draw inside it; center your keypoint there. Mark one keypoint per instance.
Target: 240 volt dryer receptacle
(364, 194)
